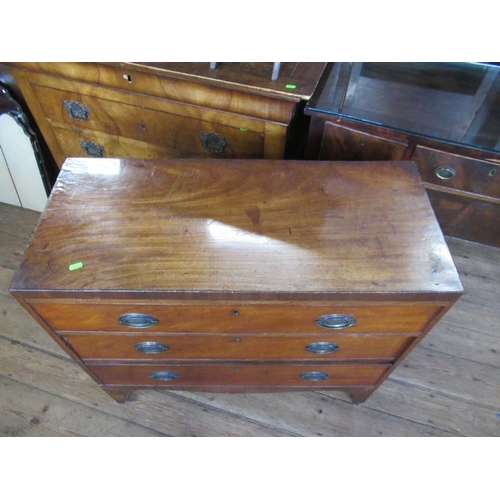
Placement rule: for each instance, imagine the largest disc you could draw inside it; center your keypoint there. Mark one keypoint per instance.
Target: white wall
(20, 180)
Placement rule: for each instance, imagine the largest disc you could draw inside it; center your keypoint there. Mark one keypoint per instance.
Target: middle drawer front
(244, 347)
(260, 375)
(404, 317)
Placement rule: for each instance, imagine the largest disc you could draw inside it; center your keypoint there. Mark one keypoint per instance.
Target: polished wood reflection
(230, 227)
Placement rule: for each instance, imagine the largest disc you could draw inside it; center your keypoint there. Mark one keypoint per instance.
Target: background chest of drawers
(237, 275)
(444, 117)
(150, 110)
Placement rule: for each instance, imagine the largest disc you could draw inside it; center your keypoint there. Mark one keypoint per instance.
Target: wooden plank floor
(448, 386)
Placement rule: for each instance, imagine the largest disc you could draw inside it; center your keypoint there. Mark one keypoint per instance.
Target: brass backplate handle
(77, 110)
(213, 142)
(92, 149)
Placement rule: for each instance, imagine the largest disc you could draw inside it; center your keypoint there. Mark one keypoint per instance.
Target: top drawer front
(237, 318)
(343, 143)
(241, 99)
(457, 172)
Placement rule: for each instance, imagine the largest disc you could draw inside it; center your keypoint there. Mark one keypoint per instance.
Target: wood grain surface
(239, 228)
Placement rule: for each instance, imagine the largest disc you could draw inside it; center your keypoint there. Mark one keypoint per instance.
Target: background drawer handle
(445, 172)
(164, 376)
(335, 321)
(150, 347)
(92, 149)
(77, 110)
(314, 376)
(137, 320)
(213, 142)
(322, 347)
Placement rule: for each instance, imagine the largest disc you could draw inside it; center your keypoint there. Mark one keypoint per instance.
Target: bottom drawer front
(236, 347)
(467, 218)
(239, 375)
(100, 145)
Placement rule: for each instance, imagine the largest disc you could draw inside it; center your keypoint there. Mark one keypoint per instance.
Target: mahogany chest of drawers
(237, 275)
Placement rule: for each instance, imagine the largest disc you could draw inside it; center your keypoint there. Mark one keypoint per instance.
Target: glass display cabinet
(443, 116)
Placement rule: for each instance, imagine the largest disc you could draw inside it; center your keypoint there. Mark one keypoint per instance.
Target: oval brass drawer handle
(445, 172)
(164, 375)
(314, 376)
(137, 320)
(322, 347)
(149, 347)
(335, 321)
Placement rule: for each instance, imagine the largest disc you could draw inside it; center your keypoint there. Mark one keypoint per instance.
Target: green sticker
(76, 265)
(290, 86)
(243, 129)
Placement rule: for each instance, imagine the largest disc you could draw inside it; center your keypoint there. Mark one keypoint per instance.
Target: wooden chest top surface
(252, 229)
